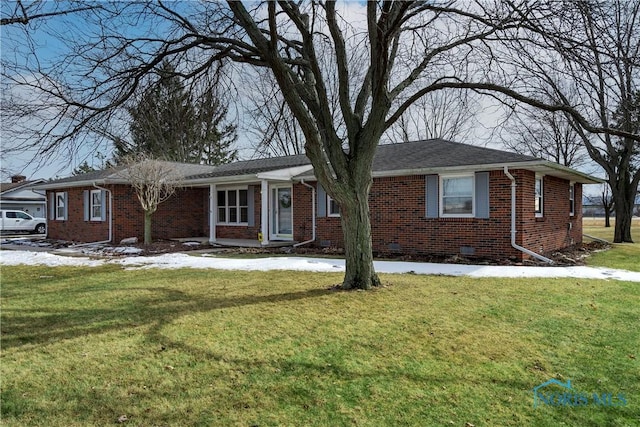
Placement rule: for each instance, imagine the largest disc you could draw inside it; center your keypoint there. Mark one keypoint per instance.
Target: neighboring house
(428, 197)
(19, 194)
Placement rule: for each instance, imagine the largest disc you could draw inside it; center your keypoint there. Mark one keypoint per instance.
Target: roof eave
(543, 166)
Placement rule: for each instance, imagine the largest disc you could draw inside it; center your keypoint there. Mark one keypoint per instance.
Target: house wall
(398, 218)
(180, 216)
(399, 223)
(75, 228)
(556, 228)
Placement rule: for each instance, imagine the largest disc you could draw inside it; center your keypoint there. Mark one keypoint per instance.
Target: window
(539, 191)
(457, 196)
(233, 206)
(572, 199)
(96, 205)
(61, 206)
(333, 208)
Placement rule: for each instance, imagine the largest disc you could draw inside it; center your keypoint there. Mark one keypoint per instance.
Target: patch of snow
(179, 260)
(120, 250)
(45, 258)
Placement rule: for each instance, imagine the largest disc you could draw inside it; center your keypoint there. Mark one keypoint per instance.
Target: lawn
(89, 346)
(625, 256)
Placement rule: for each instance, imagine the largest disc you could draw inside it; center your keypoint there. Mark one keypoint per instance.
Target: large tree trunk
(147, 227)
(624, 215)
(623, 193)
(356, 228)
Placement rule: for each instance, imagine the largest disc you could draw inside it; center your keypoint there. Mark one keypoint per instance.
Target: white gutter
(313, 215)
(110, 220)
(513, 221)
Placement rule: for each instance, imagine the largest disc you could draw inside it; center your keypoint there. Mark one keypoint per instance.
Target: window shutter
(431, 199)
(103, 205)
(482, 194)
(52, 205)
(322, 202)
(251, 217)
(86, 194)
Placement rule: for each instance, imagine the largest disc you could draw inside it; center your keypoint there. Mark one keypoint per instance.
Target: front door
(282, 213)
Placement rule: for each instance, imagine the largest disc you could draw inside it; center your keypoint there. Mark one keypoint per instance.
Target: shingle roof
(439, 153)
(417, 155)
(432, 153)
(250, 167)
(85, 177)
(183, 169)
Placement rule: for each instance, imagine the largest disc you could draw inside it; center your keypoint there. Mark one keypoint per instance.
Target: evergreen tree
(171, 123)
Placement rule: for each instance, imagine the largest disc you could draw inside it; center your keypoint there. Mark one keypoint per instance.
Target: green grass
(84, 346)
(624, 256)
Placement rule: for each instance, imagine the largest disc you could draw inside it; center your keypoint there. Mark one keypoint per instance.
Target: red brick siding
(302, 211)
(75, 228)
(556, 228)
(180, 216)
(399, 223)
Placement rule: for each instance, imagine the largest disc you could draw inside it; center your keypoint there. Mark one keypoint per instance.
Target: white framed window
(60, 206)
(457, 196)
(332, 207)
(95, 206)
(539, 196)
(572, 199)
(233, 206)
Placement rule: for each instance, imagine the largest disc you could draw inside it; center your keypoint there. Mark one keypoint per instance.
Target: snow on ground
(180, 260)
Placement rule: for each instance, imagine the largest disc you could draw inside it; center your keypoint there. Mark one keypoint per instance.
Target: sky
(12, 45)
(320, 265)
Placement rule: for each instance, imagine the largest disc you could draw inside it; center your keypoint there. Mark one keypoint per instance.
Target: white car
(16, 221)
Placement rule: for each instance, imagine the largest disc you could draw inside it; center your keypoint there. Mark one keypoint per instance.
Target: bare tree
(154, 181)
(546, 135)
(20, 12)
(447, 114)
(595, 46)
(408, 50)
(271, 121)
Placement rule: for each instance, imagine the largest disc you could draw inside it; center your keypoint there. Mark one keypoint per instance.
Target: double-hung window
(572, 199)
(539, 196)
(60, 206)
(457, 194)
(333, 208)
(96, 205)
(233, 206)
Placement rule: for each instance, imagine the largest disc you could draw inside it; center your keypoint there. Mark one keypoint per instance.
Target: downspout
(313, 215)
(110, 220)
(513, 222)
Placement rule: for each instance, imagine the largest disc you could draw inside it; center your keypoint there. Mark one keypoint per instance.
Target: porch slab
(237, 243)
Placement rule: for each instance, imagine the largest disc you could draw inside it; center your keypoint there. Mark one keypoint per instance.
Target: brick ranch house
(432, 197)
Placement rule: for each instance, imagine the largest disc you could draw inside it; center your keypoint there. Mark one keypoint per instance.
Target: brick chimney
(18, 178)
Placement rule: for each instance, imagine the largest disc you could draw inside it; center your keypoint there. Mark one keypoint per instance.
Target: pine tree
(171, 123)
